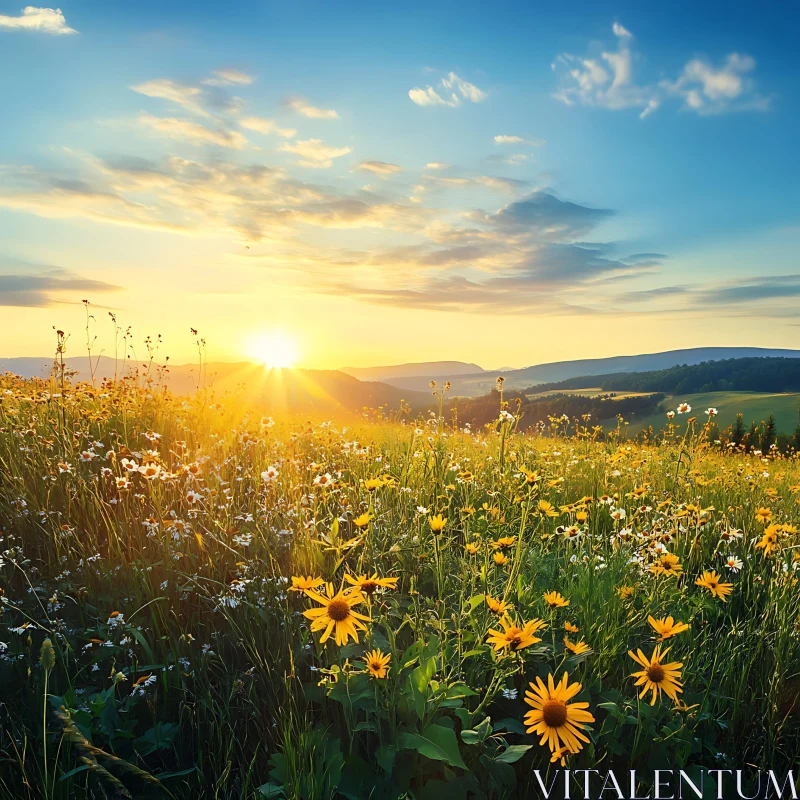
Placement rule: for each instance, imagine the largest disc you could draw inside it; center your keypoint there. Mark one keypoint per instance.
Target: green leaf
(271, 790)
(158, 738)
(513, 753)
(385, 756)
(509, 724)
(165, 775)
(435, 742)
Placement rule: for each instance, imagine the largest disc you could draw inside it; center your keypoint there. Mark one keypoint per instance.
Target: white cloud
(709, 90)
(504, 139)
(430, 97)
(44, 20)
(380, 168)
(457, 89)
(303, 107)
(469, 91)
(608, 82)
(193, 132)
(437, 165)
(229, 77)
(262, 125)
(314, 153)
(187, 97)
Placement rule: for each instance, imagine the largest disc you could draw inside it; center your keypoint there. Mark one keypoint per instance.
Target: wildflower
(711, 581)
(666, 628)
(437, 523)
(504, 542)
(555, 600)
(369, 583)
(684, 408)
(546, 509)
(559, 722)
(624, 592)
(769, 541)
(711, 412)
(362, 520)
(496, 605)
(578, 648)
(336, 614)
(302, 584)
(269, 474)
(570, 628)
(656, 676)
(732, 563)
(472, 548)
(323, 480)
(763, 515)
(500, 559)
(667, 564)
(514, 637)
(371, 484)
(377, 663)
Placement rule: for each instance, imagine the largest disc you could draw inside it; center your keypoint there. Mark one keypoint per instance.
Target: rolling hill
(296, 390)
(426, 370)
(475, 384)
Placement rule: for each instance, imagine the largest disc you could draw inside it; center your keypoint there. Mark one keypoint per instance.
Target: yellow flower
(763, 515)
(667, 564)
(500, 559)
(557, 721)
(496, 605)
(546, 509)
(371, 484)
(570, 628)
(624, 592)
(369, 583)
(555, 600)
(336, 614)
(769, 542)
(657, 676)
(362, 521)
(302, 584)
(472, 548)
(437, 523)
(666, 628)
(377, 663)
(504, 542)
(711, 581)
(514, 637)
(579, 648)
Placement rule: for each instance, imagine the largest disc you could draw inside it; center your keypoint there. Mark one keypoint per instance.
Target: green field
(754, 406)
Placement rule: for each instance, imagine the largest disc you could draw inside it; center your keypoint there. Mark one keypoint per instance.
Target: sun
(274, 349)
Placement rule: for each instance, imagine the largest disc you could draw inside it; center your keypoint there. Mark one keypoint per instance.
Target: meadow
(200, 599)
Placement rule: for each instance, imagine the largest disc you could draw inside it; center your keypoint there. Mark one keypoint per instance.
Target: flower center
(554, 713)
(655, 672)
(338, 610)
(369, 587)
(514, 641)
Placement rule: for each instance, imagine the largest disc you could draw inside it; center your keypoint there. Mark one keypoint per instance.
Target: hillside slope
(472, 385)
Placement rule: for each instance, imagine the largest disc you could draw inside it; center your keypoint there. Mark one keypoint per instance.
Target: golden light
(274, 349)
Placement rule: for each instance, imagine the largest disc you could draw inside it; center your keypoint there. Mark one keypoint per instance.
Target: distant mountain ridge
(295, 389)
(420, 369)
(476, 384)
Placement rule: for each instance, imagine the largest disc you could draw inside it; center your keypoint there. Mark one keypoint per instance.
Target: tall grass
(140, 538)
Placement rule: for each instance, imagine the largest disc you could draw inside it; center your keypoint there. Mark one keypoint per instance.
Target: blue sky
(607, 177)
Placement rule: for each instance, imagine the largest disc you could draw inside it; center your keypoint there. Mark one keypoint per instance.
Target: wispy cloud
(304, 108)
(187, 97)
(262, 125)
(229, 77)
(380, 168)
(314, 153)
(505, 139)
(37, 290)
(451, 91)
(607, 81)
(43, 20)
(193, 132)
